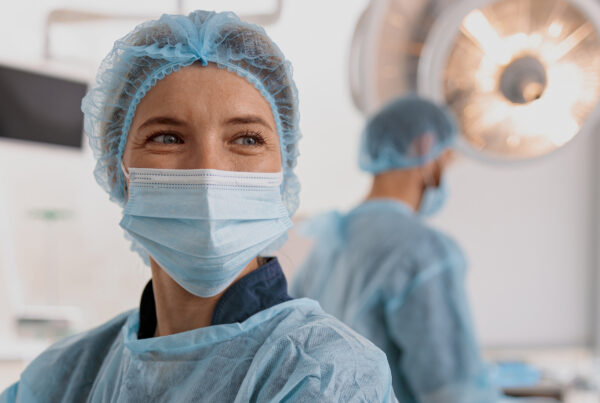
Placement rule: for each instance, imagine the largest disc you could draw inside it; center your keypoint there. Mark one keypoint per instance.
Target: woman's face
(203, 117)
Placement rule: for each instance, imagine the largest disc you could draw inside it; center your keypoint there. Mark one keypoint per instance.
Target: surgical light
(521, 76)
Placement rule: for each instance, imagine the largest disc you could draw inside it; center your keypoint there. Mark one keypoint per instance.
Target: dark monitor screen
(40, 108)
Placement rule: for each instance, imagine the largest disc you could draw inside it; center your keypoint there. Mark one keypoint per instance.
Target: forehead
(208, 89)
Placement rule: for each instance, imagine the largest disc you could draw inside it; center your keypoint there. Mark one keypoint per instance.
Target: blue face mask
(433, 199)
(204, 226)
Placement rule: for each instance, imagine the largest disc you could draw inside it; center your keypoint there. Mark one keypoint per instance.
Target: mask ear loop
(126, 175)
(428, 177)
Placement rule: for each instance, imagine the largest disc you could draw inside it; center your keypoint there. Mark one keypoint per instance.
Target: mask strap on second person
(428, 174)
(434, 192)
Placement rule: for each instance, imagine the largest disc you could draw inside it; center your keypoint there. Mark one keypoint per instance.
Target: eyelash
(163, 133)
(257, 136)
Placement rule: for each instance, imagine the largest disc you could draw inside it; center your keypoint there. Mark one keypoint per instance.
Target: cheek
(136, 155)
(272, 158)
(132, 151)
(268, 161)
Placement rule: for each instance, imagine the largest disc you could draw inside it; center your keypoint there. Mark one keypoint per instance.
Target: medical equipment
(520, 75)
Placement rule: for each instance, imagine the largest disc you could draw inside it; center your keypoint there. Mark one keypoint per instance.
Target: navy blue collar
(258, 290)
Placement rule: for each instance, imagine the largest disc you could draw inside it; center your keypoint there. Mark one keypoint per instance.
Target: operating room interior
(524, 194)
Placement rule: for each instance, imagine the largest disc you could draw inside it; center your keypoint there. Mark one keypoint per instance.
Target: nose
(206, 152)
(203, 159)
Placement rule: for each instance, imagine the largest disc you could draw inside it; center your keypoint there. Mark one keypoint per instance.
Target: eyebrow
(238, 120)
(162, 120)
(248, 119)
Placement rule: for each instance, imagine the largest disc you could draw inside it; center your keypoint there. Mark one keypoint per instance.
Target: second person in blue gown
(382, 270)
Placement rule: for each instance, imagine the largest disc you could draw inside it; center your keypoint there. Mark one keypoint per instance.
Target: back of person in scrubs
(383, 271)
(194, 125)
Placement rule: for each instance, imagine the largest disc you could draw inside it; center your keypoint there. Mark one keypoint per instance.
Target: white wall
(527, 230)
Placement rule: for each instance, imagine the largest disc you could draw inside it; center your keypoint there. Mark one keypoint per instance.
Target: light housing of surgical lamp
(521, 76)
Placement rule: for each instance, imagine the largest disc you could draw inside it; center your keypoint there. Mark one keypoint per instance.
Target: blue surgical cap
(157, 48)
(406, 133)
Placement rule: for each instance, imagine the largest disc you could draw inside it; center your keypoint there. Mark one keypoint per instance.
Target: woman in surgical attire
(383, 271)
(194, 124)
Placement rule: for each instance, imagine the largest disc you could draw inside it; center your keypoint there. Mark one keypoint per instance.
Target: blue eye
(246, 141)
(166, 139)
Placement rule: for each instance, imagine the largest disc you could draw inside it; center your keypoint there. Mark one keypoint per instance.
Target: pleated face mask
(204, 226)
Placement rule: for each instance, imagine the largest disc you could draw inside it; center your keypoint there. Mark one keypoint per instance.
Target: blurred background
(522, 77)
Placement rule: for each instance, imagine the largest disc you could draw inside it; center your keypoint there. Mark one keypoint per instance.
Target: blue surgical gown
(401, 284)
(291, 351)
